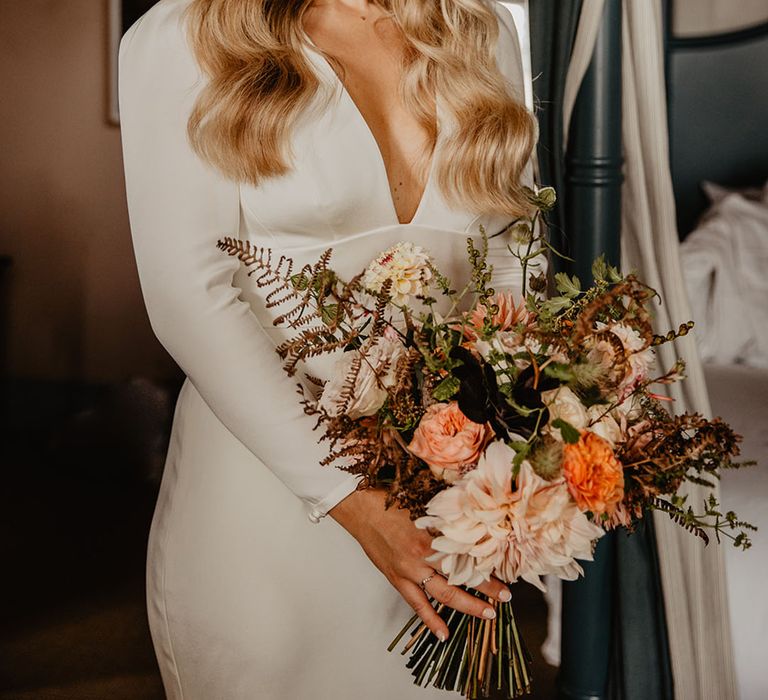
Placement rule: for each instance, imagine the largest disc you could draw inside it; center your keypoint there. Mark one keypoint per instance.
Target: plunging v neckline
(379, 157)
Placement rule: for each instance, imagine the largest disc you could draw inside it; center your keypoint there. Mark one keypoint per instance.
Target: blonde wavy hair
(260, 81)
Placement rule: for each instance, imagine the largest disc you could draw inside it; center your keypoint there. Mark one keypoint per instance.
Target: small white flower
(408, 267)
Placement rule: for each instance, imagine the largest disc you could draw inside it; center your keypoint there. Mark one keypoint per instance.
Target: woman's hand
(398, 549)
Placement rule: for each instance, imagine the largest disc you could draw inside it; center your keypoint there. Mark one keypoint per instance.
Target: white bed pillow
(717, 193)
(725, 262)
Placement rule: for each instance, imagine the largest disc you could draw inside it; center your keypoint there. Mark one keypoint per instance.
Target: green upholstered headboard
(718, 113)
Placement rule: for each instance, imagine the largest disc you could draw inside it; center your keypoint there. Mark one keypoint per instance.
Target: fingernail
(489, 613)
(442, 636)
(505, 596)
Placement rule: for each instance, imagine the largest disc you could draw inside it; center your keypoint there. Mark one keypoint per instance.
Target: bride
(298, 125)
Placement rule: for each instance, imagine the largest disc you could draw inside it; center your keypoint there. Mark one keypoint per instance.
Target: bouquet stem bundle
(479, 655)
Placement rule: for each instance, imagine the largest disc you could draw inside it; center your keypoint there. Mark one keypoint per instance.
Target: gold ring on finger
(425, 581)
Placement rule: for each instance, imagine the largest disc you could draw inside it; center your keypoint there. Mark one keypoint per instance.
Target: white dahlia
(407, 265)
(489, 525)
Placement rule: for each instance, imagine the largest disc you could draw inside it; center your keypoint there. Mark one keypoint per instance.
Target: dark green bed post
(594, 157)
(593, 180)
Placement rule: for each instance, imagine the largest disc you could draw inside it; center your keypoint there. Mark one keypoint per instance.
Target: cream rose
(447, 440)
(604, 425)
(376, 375)
(565, 405)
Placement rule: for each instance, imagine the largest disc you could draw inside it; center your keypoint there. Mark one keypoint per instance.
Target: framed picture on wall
(122, 14)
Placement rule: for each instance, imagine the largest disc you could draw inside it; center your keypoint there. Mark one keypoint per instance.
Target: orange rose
(595, 477)
(447, 440)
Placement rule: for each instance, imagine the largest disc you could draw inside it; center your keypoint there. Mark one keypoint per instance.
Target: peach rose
(595, 477)
(447, 440)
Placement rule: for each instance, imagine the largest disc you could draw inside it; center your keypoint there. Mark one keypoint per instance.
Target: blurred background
(87, 391)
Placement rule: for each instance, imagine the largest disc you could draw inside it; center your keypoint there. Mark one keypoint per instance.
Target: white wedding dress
(250, 593)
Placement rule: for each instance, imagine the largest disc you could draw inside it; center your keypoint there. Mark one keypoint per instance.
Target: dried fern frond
(316, 381)
(274, 276)
(311, 342)
(722, 525)
(305, 293)
(347, 392)
(686, 519)
(626, 299)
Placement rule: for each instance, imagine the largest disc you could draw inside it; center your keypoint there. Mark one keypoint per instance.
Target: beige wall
(697, 17)
(76, 306)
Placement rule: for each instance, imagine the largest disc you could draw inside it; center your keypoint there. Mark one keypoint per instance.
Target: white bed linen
(725, 262)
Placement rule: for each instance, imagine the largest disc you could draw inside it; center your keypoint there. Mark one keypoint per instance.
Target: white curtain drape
(693, 576)
(583, 47)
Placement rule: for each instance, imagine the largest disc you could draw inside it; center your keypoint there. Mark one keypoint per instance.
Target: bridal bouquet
(516, 429)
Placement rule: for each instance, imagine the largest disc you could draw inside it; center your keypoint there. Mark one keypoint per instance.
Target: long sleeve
(178, 208)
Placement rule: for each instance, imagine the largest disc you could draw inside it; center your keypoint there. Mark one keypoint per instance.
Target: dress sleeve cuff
(339, 493)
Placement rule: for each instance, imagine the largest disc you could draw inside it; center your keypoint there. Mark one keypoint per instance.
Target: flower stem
(402, 632)
(478, 655)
